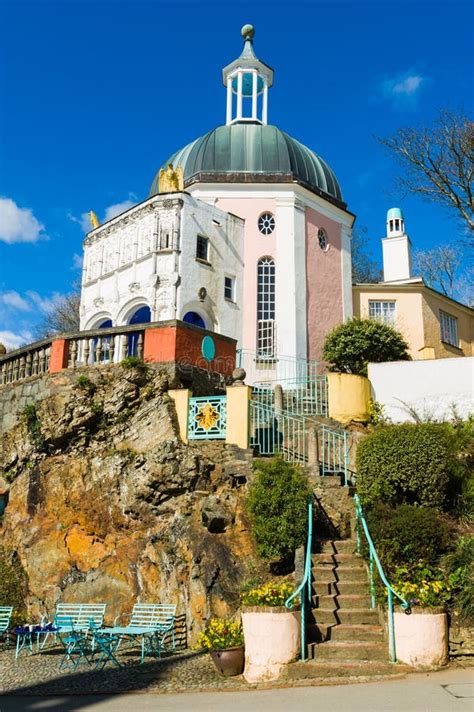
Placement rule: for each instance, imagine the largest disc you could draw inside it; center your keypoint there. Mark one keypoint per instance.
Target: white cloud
(407, 86)
(76, 261)
(18, 224)
(113, 210)
(13, 341)
(402, 89)
(83, 221)
(44, 304)
(15, 300)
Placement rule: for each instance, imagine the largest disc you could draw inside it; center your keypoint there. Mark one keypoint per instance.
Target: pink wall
(323, 281)
(256, 245)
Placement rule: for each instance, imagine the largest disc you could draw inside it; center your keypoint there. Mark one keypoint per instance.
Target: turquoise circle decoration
(208, 348)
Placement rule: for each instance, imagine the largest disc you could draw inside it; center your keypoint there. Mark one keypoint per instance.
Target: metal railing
(334, 454)
(207, 418)
(273, 369)
(276, 432)
(305, 589)
(306, 396)
(373, 558)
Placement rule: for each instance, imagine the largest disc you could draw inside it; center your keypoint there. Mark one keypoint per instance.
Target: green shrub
(277, 503)
(459, 566)
(461, 490)
(406, 463)
(13, 587)
(85, 384)
(408, 535)
(133, 362)
(33, 425)
(350, 346)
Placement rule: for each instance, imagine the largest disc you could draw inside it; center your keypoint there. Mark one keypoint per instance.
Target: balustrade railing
(305, 588)
(32, 360)
(93, 347)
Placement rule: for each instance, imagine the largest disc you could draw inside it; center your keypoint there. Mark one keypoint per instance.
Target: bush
(277, 503)
(350, 346)
(406, 463)
(408, 536)
(221, 633)
(459, 566)
(33, 425)
(13, 587)
(273, 593)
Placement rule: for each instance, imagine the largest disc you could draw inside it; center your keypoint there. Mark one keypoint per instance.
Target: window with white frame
(229, 288)
(266, 307)
(202, 248)
(383, 311)
(449, 328)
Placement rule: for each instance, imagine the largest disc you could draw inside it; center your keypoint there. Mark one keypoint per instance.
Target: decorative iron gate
(207, 418)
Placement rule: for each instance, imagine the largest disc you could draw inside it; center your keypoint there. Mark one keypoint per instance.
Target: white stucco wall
(147, 256)
(432, 388)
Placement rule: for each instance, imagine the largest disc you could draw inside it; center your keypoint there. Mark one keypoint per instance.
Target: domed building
(261, 226)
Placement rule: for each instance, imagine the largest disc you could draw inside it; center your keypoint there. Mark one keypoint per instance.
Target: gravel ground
(39, 674)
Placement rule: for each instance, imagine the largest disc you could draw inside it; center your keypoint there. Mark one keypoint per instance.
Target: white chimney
(396, 249)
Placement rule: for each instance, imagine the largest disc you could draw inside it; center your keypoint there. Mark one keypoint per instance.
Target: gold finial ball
(247, 32)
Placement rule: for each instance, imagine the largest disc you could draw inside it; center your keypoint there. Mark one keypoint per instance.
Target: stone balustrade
(156, 342)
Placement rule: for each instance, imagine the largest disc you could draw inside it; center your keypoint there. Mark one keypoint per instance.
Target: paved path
(448, 691)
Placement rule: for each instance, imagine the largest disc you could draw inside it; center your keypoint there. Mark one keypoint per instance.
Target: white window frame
(208, 242)
(449, 328)
(383, 310)
(232, 288)
(266, 299)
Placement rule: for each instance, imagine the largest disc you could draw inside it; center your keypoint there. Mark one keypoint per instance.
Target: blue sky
(96, 95)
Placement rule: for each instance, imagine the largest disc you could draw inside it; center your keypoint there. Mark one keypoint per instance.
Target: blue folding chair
(75, 642)
(103, 646)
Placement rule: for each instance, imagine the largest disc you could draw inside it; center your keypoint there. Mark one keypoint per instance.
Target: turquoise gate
(207, 418)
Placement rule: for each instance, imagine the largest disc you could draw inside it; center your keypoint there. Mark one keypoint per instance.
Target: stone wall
(461, 641)
(106, 503)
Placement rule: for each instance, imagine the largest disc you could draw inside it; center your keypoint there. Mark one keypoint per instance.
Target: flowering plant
(425, 587)
(221, 633)
(273, 593)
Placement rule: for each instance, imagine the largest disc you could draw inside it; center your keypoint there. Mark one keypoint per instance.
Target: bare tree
(63, 317)
(364, 268)
(438, 162)
(441, 268)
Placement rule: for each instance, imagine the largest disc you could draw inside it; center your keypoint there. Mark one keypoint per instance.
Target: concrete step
(340, 588)
(338, 669)
(351, 573)
(318, 632)
(350, 650)
(353, 601)
(334, 546)
(333, 559)
(329, 602)
(358, 616)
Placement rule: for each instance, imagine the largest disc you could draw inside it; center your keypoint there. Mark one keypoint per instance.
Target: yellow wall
(417, 318)
(432, 305)
(238, 420)
(408, 313)
(348, 397)
(181, 401)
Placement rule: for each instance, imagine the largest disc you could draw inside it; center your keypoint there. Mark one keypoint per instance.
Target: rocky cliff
(106, 504)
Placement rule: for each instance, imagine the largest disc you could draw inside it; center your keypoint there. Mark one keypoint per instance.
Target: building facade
(434, 325)
(274, 205)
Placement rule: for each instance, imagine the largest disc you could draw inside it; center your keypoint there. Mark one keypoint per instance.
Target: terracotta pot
(230, 661)
(272, 640)
(421, 639)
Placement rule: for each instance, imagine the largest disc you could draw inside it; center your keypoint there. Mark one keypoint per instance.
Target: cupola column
(249, 80)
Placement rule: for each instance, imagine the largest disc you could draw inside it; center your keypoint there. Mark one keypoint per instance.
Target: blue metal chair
(75, 642)
(5, 615)
(103, 646)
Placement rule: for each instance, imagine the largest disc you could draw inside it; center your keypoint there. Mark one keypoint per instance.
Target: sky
(96, 95)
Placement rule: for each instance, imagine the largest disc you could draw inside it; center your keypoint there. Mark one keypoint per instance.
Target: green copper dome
(252, 153)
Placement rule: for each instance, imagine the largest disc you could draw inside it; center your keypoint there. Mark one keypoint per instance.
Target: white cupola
(247, 80)
(396, 248)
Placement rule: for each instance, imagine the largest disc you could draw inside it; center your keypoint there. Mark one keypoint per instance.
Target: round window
(323, 239)
(266, 223)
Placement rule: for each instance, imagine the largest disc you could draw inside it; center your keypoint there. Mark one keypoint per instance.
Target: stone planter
(421, 639)
(272, 640)
(230, 661)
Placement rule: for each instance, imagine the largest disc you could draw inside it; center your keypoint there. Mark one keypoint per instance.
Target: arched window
(141, 316)
(193, 318)
(266, 307)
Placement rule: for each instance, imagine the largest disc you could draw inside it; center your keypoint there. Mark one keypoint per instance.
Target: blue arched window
(105, 343)
(194, 319)
(141, 316)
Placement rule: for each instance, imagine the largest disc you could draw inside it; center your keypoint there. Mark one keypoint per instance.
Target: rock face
(106, 504)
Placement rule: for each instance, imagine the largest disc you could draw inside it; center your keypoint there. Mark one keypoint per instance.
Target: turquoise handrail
(373, 557)
(306, 582)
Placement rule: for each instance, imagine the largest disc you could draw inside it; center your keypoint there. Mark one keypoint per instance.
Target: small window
(202, 248)
(266, 223)
(397, 224)
(323, 239)
(449, 329)
(229, 289)
(382, 311)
